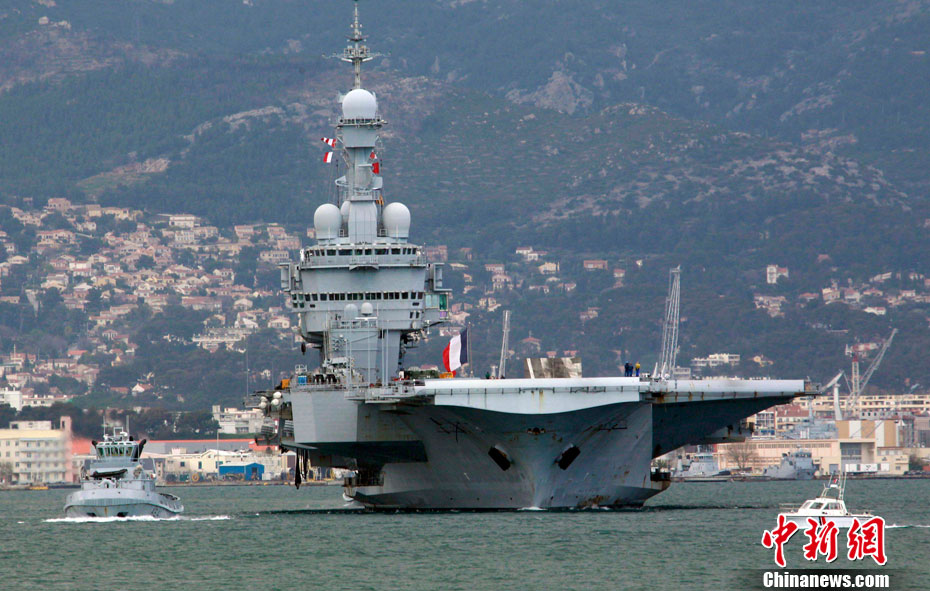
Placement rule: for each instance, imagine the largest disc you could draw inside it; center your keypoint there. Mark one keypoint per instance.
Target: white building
(773, 272)
(235, 421)
(715, 360)
(33, 452)
(13, 397)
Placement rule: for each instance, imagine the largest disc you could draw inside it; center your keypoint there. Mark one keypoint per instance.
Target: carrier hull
(516, 444)
(612, 466)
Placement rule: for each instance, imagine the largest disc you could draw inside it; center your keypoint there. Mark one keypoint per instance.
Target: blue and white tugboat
(116, 484)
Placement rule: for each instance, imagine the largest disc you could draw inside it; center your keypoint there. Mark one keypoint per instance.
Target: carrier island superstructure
(364, 294)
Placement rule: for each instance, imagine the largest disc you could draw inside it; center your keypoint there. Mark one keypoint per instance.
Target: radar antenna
(669, 355)
(356, 52)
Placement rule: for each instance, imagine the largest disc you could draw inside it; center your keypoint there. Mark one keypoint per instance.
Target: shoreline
(62, 486)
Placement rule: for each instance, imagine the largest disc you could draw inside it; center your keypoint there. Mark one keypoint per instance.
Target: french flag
(455, 355)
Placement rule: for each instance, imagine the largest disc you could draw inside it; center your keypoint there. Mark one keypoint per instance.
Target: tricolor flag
(455, 355)
(328, 157)
(376, 168)
(331, 142)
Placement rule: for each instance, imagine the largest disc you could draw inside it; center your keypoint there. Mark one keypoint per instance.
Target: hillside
(724, 138)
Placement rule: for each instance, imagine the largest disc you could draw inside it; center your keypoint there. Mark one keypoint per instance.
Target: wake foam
(143, 518)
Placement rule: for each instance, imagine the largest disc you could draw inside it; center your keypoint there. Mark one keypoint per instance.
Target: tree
(51, 298)
(6, 471)
(742, 454)
(145, 262)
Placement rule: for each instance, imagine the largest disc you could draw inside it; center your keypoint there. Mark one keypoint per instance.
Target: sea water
(693, 536)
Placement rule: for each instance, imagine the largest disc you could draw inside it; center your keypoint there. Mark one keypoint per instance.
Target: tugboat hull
(121, 503)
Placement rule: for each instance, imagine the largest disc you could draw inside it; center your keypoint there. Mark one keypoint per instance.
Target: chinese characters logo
(862, 539)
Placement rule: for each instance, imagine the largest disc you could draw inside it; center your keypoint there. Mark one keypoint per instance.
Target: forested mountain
(722, 136)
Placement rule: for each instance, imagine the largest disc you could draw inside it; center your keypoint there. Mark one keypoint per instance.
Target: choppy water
(694, 536)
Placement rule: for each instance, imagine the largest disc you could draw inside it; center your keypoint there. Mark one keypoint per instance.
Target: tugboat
(116, 484)
(829, 506)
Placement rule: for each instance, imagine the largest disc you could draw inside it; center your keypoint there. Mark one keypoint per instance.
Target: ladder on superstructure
(669, 355)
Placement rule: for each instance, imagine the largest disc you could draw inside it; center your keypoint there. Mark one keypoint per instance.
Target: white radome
(344, 209)
(396, 218)
(326, 221)
(359, 104)
(367, 309)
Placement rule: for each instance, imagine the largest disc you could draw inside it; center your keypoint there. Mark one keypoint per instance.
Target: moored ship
(797, 465)
(365, 294)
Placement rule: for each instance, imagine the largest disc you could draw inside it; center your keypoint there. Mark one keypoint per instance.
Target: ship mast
(357, 52)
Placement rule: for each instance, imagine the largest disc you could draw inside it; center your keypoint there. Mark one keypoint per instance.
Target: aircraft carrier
(364, 294)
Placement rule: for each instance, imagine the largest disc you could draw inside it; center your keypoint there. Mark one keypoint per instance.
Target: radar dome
(326, 221)
(345, 211)
(350, 312)
(396, 219)
(367, 309)
(359, 104)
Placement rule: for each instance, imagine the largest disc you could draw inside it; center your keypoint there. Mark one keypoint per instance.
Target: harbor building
(235, 421)
(192, 461)
(860, 447)
(36, 452)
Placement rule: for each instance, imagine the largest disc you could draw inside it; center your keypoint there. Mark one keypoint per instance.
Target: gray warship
(365, 294)
(797, 465)
(116, 484)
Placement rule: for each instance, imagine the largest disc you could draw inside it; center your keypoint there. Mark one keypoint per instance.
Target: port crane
(857, 384)
(835, 385)
(669, 355)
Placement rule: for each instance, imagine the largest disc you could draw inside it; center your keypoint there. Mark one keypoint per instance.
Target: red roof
(791, 410)
(80, 446)
(207, 440)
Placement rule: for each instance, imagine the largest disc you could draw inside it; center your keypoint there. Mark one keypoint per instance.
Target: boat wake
(905, 525)
(135, 518)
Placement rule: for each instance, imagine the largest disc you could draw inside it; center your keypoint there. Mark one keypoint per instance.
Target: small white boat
(828, 507)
